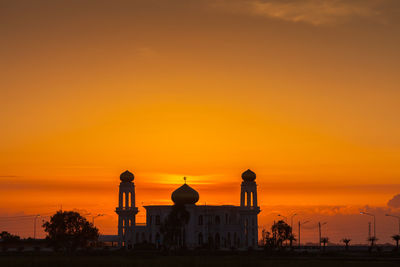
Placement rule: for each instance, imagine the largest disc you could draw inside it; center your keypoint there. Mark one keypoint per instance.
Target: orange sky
(305, 93)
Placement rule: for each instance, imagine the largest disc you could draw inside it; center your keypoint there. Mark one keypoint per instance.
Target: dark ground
(193, 260)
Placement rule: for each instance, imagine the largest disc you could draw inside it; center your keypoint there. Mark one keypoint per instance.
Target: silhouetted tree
(173, 228)
(268, 241)
(324, 240)
(281, 231)
(346, 241)
(6, 237)
(397, 239)
(68, 229)
(291, 238)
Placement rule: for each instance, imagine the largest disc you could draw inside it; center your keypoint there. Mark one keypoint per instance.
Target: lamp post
(34, 225)
(300, 224)
(319, 231)
(369, 214)
(394, 216)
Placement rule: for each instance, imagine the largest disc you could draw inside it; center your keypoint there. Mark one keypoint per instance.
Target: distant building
(224, 226)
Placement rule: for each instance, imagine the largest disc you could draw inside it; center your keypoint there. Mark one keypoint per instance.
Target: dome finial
(248, 176)
(184, 178)
(127, 176)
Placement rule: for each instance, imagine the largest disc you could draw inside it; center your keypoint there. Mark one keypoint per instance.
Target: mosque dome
(126, 176)
(185, 195)
(248, 176)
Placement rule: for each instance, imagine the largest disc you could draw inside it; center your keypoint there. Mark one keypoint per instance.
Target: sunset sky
(303, 92)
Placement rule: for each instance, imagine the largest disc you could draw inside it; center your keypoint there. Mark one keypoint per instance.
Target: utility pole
(369, 230)
(300, 224)
(369, 214)
(319, 233)
(34, 226)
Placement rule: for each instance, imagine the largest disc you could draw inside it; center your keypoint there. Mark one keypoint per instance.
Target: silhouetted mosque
(224, 226)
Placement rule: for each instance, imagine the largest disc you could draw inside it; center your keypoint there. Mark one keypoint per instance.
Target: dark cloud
(394, 202)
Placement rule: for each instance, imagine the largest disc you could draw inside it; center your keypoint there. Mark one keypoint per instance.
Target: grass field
(191, 261)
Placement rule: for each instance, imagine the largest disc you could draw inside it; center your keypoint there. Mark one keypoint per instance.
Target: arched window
(201, 220)
(150, 220)
(137, 238)
(200, 239)
(158, 221)
(226, 218)
(217, 220)
(229, 240)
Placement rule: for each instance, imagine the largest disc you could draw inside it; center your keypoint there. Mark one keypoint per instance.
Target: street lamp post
(319, 231)
(300, 224)
(369, 214)
(394, 216)
(34, 226)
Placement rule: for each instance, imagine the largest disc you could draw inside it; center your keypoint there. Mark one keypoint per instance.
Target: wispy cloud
(315, 12)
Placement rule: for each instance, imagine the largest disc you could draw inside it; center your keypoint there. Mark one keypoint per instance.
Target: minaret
(126, 210)
(248, 196)
(250, 210)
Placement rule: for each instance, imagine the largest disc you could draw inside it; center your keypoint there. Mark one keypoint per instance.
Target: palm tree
(324, 240)
(397, 239)
(346, 241)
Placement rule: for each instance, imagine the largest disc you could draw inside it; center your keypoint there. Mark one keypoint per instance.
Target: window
(226, 218)
(158, 221)
(217, 220)
(201, 220)
(150, 220)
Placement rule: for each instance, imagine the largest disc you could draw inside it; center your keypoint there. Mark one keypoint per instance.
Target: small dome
(126, 176)
(248, 176)
(185, 195)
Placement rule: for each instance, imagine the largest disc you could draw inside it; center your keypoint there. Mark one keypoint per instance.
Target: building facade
(220, 227)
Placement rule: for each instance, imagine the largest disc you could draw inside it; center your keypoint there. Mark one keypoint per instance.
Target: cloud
(394, 202)
(315, 12)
